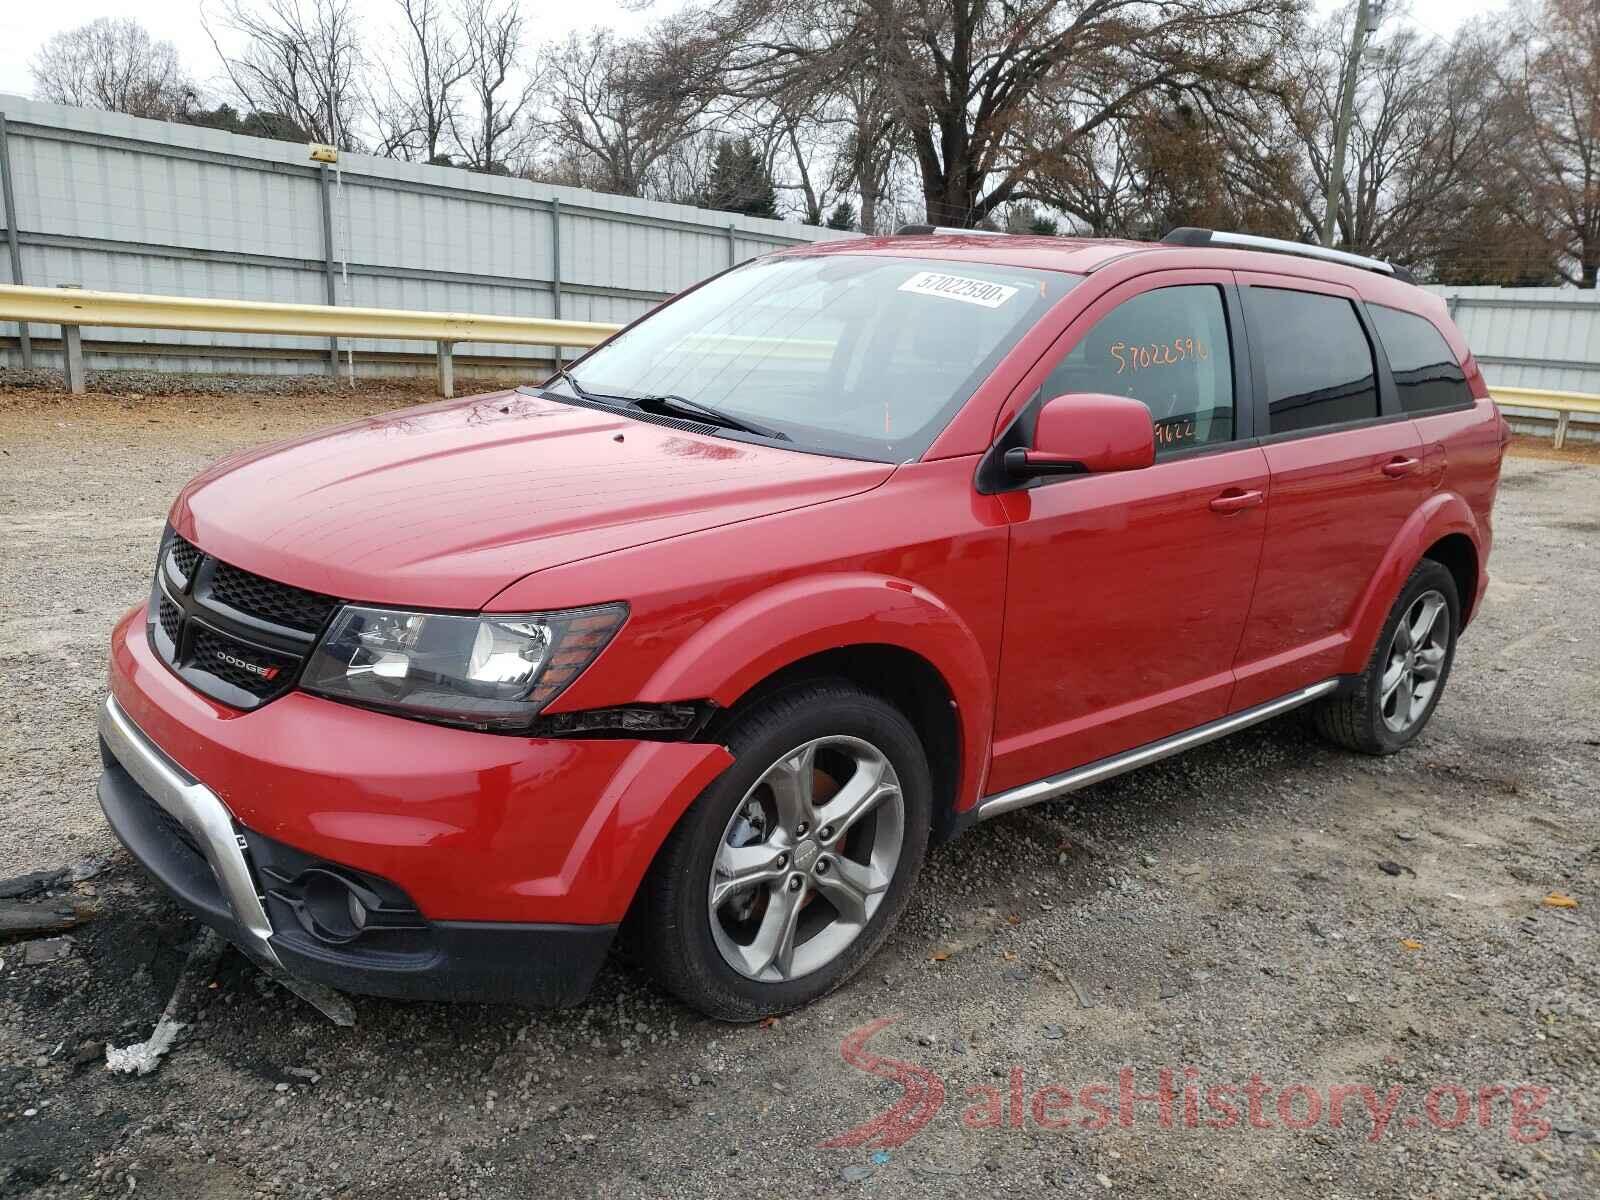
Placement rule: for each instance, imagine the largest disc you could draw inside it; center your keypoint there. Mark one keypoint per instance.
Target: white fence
(115, 203)
(1547, 338)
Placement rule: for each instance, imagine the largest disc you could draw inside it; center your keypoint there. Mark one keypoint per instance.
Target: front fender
(780, 625)
(1441, 515)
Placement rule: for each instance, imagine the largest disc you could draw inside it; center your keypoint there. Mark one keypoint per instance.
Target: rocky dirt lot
(1266, 914)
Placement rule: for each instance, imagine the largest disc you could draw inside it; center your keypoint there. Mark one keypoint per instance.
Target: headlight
(487, 672)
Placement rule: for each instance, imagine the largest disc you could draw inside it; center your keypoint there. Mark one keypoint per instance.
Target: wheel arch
(1458, 554)
(1443, 528)
(903, 678)
(891, 637)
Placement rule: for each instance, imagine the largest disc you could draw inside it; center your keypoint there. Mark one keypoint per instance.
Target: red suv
(715, 633)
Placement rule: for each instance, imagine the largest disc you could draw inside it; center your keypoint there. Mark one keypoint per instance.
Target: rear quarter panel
(1470, 440)
(1473, 453)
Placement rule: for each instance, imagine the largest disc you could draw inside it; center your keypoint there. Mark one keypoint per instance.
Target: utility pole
(1367, 16)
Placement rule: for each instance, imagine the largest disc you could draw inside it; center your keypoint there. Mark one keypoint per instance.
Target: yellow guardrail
(72, 308)
(1563, 404)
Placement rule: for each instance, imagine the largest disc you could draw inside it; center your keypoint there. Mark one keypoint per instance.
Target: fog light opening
(332, 909)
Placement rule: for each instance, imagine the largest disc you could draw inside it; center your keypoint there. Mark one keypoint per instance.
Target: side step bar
(1140, 756)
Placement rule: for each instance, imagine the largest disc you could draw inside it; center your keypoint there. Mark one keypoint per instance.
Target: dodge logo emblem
(253, 668)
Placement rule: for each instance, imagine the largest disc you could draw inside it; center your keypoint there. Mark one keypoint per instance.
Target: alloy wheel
(806, 858)
(1416, 660)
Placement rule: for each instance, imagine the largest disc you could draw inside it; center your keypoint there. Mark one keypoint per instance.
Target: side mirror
(1088, 432)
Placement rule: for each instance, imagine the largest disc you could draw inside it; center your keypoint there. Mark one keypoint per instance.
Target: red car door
(1127, 592)
(1347, 469)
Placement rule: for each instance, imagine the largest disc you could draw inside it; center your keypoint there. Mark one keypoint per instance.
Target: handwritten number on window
(1143, 356)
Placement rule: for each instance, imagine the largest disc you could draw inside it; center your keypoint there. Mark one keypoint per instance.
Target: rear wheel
(1392, 699)
(789, 870)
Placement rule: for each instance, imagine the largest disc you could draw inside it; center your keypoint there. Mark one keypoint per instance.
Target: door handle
(1399, 467)
(1235, 501)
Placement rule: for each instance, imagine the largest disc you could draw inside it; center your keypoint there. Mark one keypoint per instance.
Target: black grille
(171, 618)
(277, 602)
(185, 557)
(235, 636)
(248, 668)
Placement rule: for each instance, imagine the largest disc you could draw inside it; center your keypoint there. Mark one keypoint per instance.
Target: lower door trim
(1139, 756)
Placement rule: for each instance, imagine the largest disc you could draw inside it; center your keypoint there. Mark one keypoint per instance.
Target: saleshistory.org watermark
(1173, 1098)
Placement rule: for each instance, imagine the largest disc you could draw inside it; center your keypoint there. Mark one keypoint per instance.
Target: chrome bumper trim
(1105, 768)
(200, 812)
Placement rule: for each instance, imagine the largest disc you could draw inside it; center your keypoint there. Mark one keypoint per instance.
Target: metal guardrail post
(10, 204)
(733, 251)
(555, 265)
(329, 276)
(447, 370)
(72, 352)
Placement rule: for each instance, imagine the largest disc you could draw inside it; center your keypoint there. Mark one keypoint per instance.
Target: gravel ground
(1264, 907)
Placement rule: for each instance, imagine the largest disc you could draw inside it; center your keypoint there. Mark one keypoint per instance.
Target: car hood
(445, 505)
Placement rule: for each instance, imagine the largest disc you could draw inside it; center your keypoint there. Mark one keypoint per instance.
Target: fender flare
(811, 614)
(1441, 515)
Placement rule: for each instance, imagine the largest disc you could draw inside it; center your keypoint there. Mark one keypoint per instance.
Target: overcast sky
(25, 24)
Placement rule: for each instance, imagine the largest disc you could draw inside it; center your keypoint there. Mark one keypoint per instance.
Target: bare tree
(1553, 82)
(832, 135)
(796, 140)
(492, 127)
(1096, 181)
(875, 138)
(623, 104)
(682, 175)
(302, 59)
(413, 109)
(1421, 140)
(112, 63)
(968, 77)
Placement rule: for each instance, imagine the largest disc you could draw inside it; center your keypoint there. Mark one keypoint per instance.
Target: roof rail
(914, 230)
(1188, 235)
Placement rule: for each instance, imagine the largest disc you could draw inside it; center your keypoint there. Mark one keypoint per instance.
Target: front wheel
(1390, 702)
(790, 869)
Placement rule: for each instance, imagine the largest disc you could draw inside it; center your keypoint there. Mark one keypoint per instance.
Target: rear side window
(1317, 360)
(1426, 372)
(1168, 349)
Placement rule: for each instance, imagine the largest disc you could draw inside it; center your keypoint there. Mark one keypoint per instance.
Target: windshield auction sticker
(959, 287)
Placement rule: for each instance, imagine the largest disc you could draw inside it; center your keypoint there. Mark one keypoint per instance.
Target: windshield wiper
(674, 405)
(584, 393)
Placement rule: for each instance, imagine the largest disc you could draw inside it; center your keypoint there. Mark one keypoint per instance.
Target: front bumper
(143, 793)
(516, 857)
(183, 835)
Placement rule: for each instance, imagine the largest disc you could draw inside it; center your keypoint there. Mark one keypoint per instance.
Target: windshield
(859, 355)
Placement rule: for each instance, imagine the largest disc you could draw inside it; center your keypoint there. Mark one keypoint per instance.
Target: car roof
(1077, 255)
(1084, 256)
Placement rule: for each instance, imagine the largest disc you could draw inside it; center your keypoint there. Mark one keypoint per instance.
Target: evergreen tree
(843, 216)
(740, 181)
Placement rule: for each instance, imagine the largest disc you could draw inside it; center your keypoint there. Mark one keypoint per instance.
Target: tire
(867, 748)
(1366, 716)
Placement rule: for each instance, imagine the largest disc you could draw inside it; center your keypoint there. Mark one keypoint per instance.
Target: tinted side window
(1318, 364)
(1168, 349)
(1426, 373)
